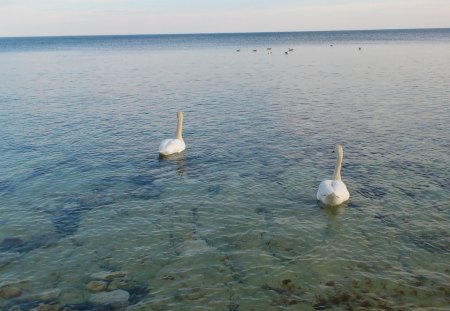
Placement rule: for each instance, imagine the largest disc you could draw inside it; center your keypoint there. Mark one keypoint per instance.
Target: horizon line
(221, 33)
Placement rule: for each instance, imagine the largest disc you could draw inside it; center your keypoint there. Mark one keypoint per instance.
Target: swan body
(172, 146)
(333, 192)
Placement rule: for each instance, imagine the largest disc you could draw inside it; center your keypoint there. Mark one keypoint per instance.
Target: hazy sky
(89, 17)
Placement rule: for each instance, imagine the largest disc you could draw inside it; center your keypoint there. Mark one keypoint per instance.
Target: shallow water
(232, 224)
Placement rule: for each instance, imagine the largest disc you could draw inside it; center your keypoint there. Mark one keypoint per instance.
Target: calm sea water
(233, 223)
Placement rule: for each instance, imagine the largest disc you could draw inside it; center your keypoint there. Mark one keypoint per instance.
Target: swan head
(338, 149)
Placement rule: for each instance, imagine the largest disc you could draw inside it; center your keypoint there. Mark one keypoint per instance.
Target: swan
(334, 192)
(172, 146)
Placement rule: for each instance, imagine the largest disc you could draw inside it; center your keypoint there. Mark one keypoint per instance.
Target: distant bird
(286, 52)
(270, 52)
(331, 45)
(172, 146)
(238, 50)
(359, 49)
(290, 50)
(255, 50)
(268, 49)
(333, 192)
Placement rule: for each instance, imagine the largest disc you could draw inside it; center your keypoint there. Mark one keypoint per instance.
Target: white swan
(177, 145)
(334, 192)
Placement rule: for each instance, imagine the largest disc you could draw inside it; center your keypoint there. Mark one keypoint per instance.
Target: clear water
(232, 224)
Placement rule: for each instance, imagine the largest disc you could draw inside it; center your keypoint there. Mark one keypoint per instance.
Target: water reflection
(333, 211)
(177, 158)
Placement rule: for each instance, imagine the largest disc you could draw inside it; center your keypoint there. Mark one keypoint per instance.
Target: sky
(108, 17)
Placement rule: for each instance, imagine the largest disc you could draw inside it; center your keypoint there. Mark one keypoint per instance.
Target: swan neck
(337, 169)
(180, 126)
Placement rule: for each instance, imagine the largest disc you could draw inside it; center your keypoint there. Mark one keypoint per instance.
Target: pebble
(96, 286)
(330, 283)
(117, 284)
(108, 275)
(114, 299)
(8, 292)
(46, 307)
(191, 293)
(48, 295)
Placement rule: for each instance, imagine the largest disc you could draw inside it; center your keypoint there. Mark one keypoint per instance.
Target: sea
(92, 219)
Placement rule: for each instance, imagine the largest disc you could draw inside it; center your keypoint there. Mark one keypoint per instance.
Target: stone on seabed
(47, 295)
(115, 299)
(107, 275)
(45, 307)
(96, 286)
(8, 292)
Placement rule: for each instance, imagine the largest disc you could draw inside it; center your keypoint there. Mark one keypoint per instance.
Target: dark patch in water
(145, 194)
(16, 245)
(288, 293)
(430, 244)
(244, 175)
(214, 190)
(80, 307)
(142, 180)
(67, 161)
(11, 244)
(387, 220)
(424, 171)
(334, 299)
(353, 205)
(444, 183)
(6, 186)
(40, 171)
(23, 305)
(66, 220)
(91, 201)
(233, 306)
(409, 193)
(111, 180)
(137, 293)
(373, 192)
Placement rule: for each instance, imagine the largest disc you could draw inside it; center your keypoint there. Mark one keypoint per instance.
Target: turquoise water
(233, 223)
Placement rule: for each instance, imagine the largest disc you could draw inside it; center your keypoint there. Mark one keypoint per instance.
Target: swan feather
(171, 146)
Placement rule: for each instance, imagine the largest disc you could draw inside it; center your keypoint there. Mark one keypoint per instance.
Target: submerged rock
(78, 307)
(189, 294)
(48, 295)
(8, 292)
(108, 275)
(118, 283)
(115, 299)
(96, 286)
(45, 307)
